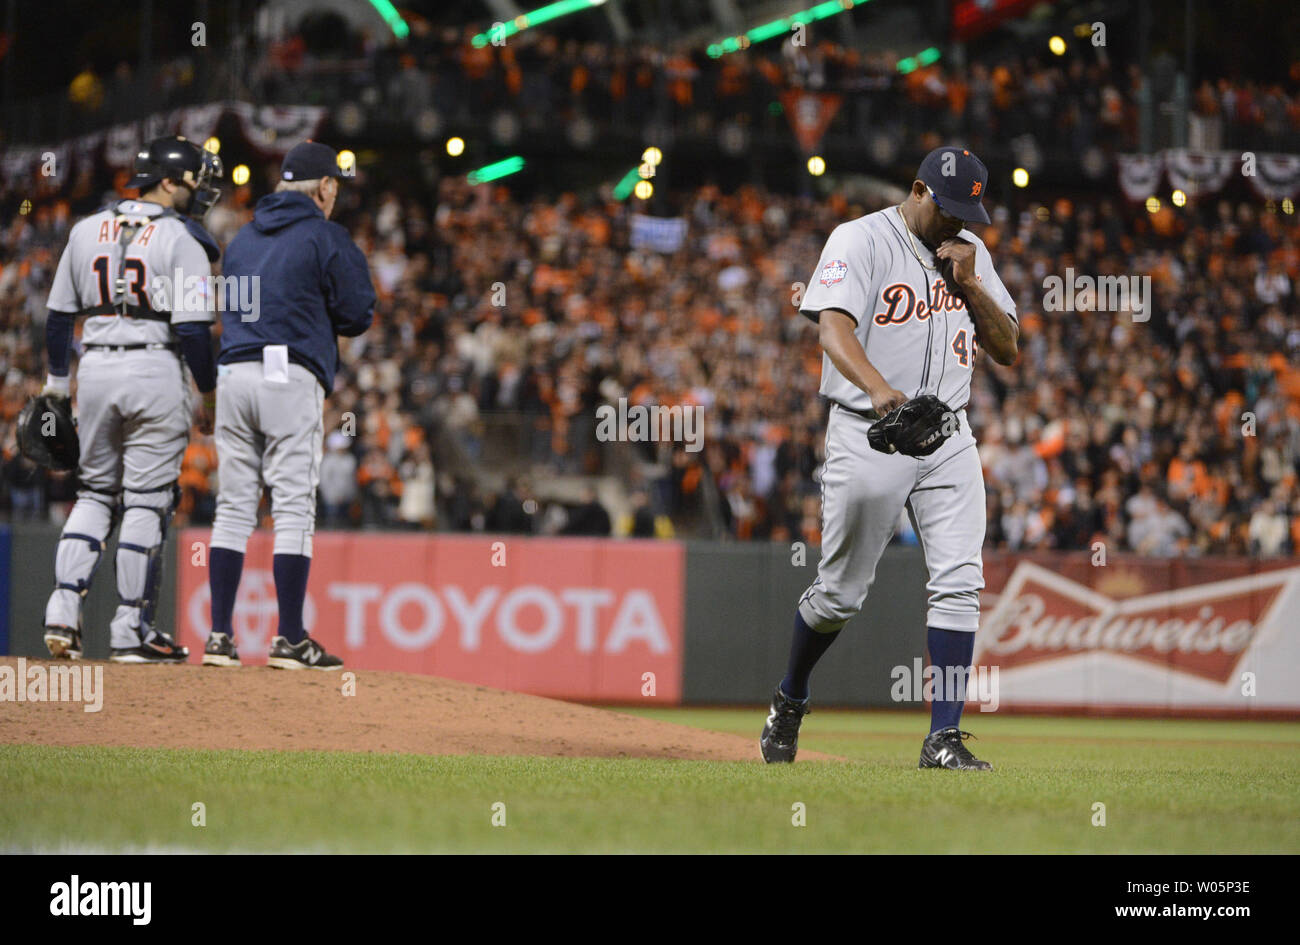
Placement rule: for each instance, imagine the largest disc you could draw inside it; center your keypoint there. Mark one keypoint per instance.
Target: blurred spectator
(338, 481)
(513, 511)
(1269, 530)
(416, 507)
(589, 517)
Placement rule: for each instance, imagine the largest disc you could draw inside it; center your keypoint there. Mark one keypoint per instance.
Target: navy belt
(149, 346)
(874, 414)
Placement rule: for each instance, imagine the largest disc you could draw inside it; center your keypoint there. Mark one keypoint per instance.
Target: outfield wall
(709, 623)
(29, 560)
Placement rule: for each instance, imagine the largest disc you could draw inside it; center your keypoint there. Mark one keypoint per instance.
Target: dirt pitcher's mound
(195, 707)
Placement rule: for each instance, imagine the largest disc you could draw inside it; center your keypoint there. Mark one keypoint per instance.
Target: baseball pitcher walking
(277, 362)
(903, 299)
(135, 270)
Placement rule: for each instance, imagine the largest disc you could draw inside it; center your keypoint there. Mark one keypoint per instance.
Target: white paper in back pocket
(275, 364)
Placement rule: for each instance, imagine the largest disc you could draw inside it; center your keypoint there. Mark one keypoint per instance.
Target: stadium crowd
(1176, 435)
(1090, 98)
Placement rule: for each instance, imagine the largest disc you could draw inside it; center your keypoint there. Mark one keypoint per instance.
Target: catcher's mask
(175, 158)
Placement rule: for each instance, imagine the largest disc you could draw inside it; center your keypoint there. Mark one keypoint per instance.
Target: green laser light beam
(623, 189)
(924, 58)
(392, 18)
(490, 172)
(552, 11)
(775, 28)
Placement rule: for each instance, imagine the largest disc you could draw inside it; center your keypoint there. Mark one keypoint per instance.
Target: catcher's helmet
(175, 158)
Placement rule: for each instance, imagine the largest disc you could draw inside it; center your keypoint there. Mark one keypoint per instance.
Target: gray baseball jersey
(133, 270)
(916, 334)
(161, 275)
(921, 339)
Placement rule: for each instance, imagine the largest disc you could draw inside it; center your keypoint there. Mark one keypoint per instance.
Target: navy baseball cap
(958, 182)
(310, 160)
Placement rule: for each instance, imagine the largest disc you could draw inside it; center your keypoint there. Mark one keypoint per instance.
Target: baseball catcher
(133, 398)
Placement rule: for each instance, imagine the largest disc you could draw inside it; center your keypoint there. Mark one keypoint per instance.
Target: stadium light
(455, 146)
(552, 11)
(1020, 177)
(1153, 204)
(1178, 198)
(816, 165)
(1057, 45)
(239, 175)
(644, 190)
(392, 18)
(780, 27)
(652, 155)
(491, 172)
(212, 145)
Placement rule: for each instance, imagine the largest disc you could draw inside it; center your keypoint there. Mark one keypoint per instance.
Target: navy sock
(290, 591)
(224, 568)
(806, 649)
(949, 649)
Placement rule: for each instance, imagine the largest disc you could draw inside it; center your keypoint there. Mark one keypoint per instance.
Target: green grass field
(1168, 786)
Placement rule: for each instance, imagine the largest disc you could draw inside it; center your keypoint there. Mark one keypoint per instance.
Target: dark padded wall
(31, 578)
(740, 602)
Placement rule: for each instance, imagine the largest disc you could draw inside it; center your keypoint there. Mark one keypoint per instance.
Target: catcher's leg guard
(145, 516)
(80, 547)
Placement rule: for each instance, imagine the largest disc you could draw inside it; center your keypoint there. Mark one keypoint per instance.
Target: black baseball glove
(47, 434)
(915, 428)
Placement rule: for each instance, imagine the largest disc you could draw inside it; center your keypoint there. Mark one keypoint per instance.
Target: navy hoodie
(314, 284)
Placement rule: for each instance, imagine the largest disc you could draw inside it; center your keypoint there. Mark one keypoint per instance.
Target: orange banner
(586, 619)
(810, 114)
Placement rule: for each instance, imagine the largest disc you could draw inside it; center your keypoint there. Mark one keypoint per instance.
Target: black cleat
(64, 643)
(220, 651)
(305, 654)
(159, 648)
(944, 749)
(780, 738)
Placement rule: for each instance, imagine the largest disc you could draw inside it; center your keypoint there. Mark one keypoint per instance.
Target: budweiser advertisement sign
(1144, 633)
(573, 618)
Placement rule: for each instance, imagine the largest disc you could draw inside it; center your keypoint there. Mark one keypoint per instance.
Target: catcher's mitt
(47, 434)
(915, 428)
